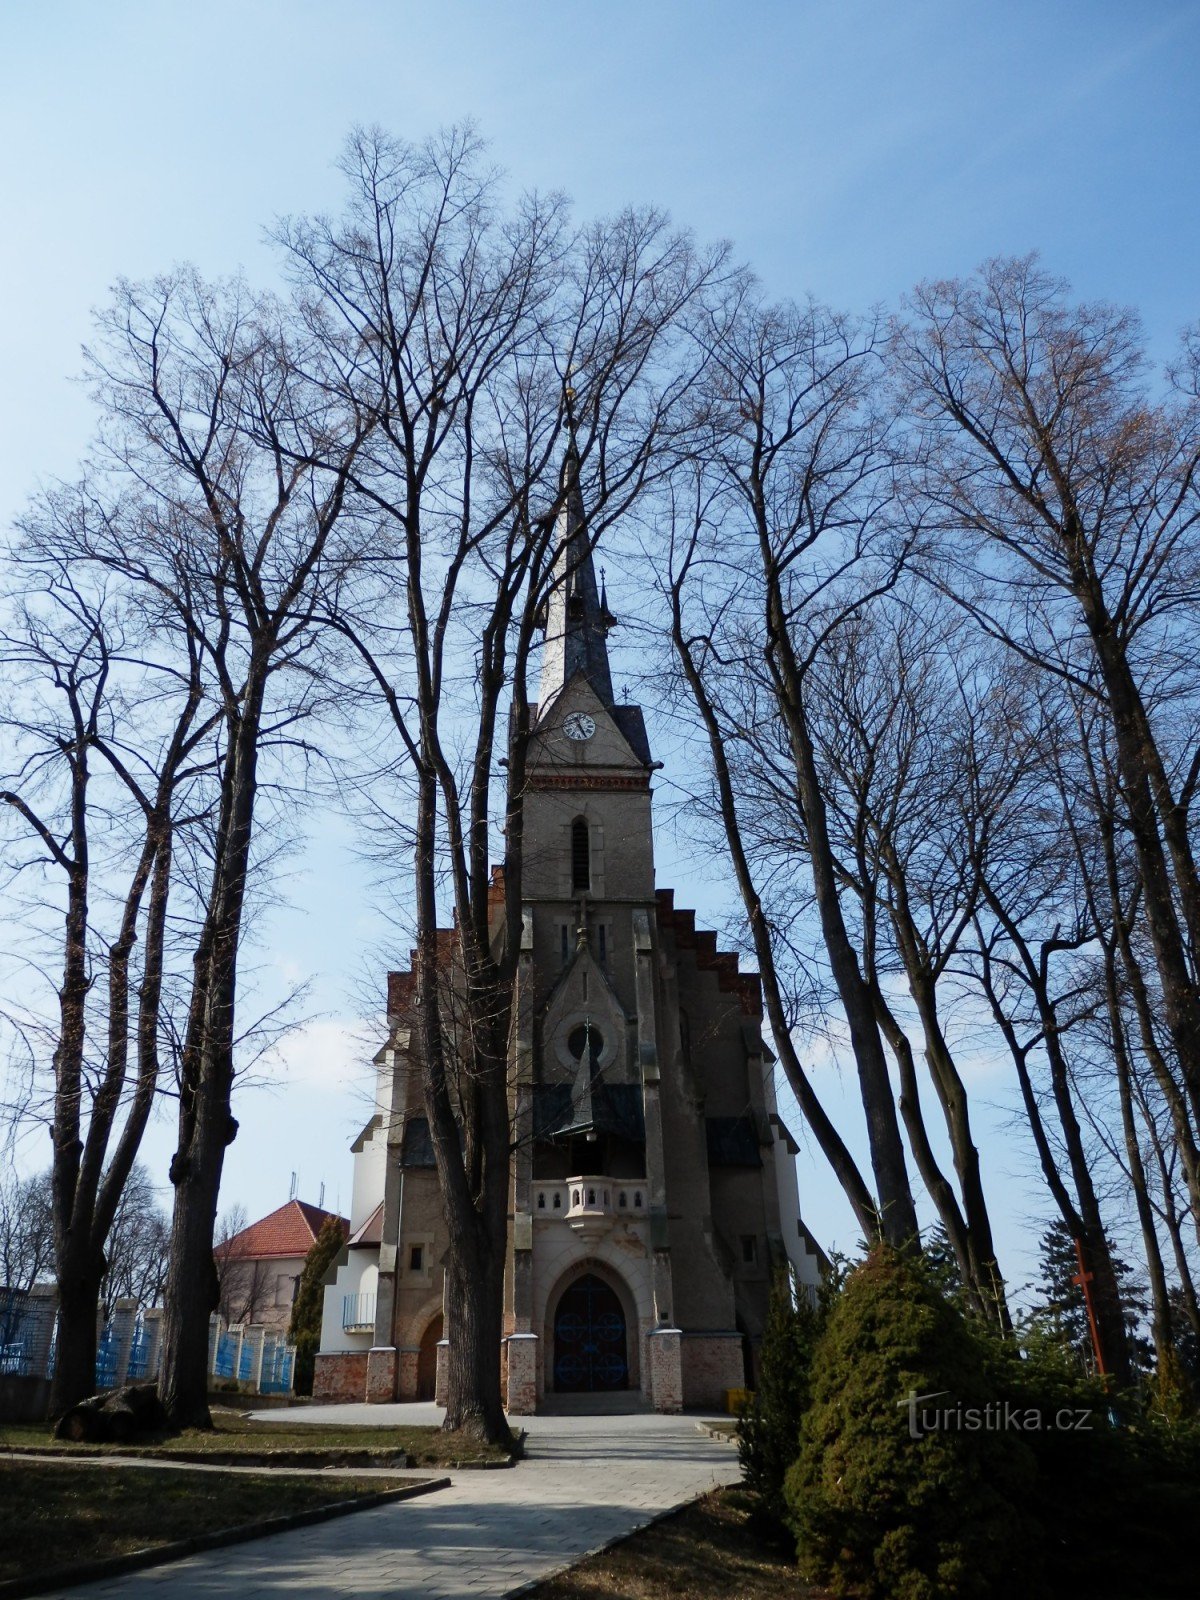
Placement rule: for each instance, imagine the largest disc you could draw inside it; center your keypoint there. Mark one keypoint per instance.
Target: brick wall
(520, 1374)
(406, 1373)
(665, 1378)
(381, 1375)
(340, 1377)
(712, 1363)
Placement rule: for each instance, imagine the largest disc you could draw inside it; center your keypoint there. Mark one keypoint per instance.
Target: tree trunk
(952, 1095)
(474, 1306)
(206, 1122)
(938, 1186)
(898, 1215)
(832, 1146)
(1149, 801)
(1110, 1314)
(191, 1292)
(80, 1270)
(1173, 1096)
(1169, 1212)
(1160, 1313)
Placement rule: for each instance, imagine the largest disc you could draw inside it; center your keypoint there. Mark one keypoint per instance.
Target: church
(654, 1189)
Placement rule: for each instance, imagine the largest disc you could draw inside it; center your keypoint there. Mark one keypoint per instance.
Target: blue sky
(848, 150)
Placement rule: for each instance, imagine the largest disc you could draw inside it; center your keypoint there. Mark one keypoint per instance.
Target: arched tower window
(581, 857)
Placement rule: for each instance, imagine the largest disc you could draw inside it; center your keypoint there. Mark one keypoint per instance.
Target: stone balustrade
(590, 1204)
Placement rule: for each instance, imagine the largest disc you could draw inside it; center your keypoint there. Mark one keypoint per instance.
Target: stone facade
(653, 1188)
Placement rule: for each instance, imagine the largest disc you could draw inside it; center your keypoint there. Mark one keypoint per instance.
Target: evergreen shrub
(1113, 1494)
(769, 1426)
(877, 1512)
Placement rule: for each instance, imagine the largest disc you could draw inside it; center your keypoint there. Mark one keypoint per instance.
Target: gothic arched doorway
(427, 1360)
(591, 1352)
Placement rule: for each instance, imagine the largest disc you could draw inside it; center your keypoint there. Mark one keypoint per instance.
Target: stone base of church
(684, 1369)
(381, 1374)
(711, 1363)
(340, 1377)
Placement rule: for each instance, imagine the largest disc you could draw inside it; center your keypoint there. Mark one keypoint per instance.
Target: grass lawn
(282, 1444)
(54, 1516)
(707, 1550)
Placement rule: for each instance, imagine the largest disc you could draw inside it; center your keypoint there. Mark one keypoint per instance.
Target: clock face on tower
(579, 725)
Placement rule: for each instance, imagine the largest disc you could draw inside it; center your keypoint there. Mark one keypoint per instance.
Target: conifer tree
(890, 1498)
(304, 1330)
(769, 1428)
(1061, 1299)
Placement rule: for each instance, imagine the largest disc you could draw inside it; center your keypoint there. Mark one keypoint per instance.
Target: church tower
(654, 1189)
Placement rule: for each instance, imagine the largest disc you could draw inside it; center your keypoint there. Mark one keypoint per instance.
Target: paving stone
(585, 1481)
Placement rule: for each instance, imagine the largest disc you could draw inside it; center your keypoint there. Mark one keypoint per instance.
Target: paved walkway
(585, 1481)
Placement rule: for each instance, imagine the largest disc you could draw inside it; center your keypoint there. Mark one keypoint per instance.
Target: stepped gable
(496, 889)
(725, 964)
(401, 993)
(402, 986)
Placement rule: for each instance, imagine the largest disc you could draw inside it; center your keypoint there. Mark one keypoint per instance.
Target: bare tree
(107, 744)
(138, 1246)
(245, 452)
(779, 538)
(243, 1282)
(896, 712)
(475, 334)
(26, 1246)
(1043, 455)
(1032, 956)
(26, 1231)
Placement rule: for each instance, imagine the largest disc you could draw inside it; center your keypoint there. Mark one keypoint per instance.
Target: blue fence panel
(14, 1333)
(245, 1370)
(139, 1353)
(106, 1359)
(226, 1356)
(277, 1369)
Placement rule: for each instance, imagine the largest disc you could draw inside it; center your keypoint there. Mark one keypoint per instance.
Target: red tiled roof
(290, 1231)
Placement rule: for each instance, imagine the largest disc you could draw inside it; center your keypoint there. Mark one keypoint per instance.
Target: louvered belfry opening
(581, 857)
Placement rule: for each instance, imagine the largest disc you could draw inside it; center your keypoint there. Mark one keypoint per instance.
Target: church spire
(577, 614)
